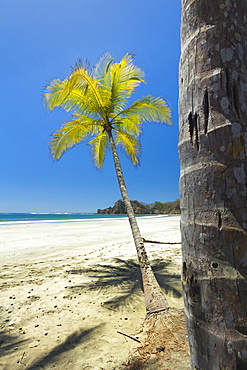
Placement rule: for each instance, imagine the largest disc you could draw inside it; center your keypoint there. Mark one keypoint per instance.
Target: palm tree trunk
(213, 187)
(154, 298)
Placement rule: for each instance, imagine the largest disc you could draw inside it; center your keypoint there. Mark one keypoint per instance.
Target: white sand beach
(67, 288)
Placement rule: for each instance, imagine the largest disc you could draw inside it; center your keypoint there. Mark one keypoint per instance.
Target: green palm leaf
(149, 109)
(102, 69)
(55, 94)
(125, 77)
(93, 125)
(130, 145)
(70, 134)
(96, 96)
(60, 94)
(130, 125)
(99, 145)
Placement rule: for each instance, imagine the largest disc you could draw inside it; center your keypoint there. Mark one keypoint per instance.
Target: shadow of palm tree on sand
(69, 343)
(8, 342)
(124, 278)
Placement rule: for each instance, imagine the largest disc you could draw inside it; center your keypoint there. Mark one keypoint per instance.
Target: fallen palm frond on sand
(164, 344)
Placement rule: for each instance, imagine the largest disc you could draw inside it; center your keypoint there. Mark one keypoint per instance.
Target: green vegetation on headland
(143, 209)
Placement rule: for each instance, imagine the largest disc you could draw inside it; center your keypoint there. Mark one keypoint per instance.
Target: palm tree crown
(98, 101)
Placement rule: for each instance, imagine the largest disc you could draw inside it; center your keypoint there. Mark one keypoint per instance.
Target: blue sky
(41, 40)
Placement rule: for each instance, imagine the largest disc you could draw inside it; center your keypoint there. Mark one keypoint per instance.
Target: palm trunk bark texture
(213, 181)
(154, 297)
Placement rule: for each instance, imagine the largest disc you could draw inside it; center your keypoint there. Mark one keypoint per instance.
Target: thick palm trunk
(154, 298)
(213, 150)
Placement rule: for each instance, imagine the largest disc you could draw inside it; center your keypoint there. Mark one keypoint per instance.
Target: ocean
(52, 217)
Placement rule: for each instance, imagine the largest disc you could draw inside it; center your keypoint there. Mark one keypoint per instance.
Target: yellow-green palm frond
(99, 146)
(129, 74)
(150, 109)
(55, 94)
(102, 69)
(125, 77)
(93, 125)
(130, 145)
(130, 125)
(60, 94)
(68, 135)
(97, 98)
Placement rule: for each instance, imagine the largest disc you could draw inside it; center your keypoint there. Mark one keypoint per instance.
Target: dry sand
(67, 289)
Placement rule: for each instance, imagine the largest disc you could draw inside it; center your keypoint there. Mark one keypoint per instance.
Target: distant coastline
(144, 209)
(117, 211)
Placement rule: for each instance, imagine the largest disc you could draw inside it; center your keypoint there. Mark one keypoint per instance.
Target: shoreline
(28, 239)
(104, 217)
(68, 288)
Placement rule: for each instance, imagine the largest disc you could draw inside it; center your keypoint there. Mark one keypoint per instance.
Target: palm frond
(130, 145)
(67, 136)
(91, 87)
(130, 125)
(80, 63)
(99, 147)
(125, 77)
(55, 94)
(93, 125)
(149, 109)
(101, 70)
(103, 75)
(129, 72)
(61, 94)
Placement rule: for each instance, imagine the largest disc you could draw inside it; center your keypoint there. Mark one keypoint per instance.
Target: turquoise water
(52, 217)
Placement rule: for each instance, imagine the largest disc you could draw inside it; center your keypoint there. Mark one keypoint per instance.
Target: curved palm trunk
(154, 298)
(213, 151)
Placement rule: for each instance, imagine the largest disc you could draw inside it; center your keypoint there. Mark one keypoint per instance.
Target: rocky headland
(143, 209)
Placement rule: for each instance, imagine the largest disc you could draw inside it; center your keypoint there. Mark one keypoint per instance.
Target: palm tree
(213, 187)
(98, 100)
